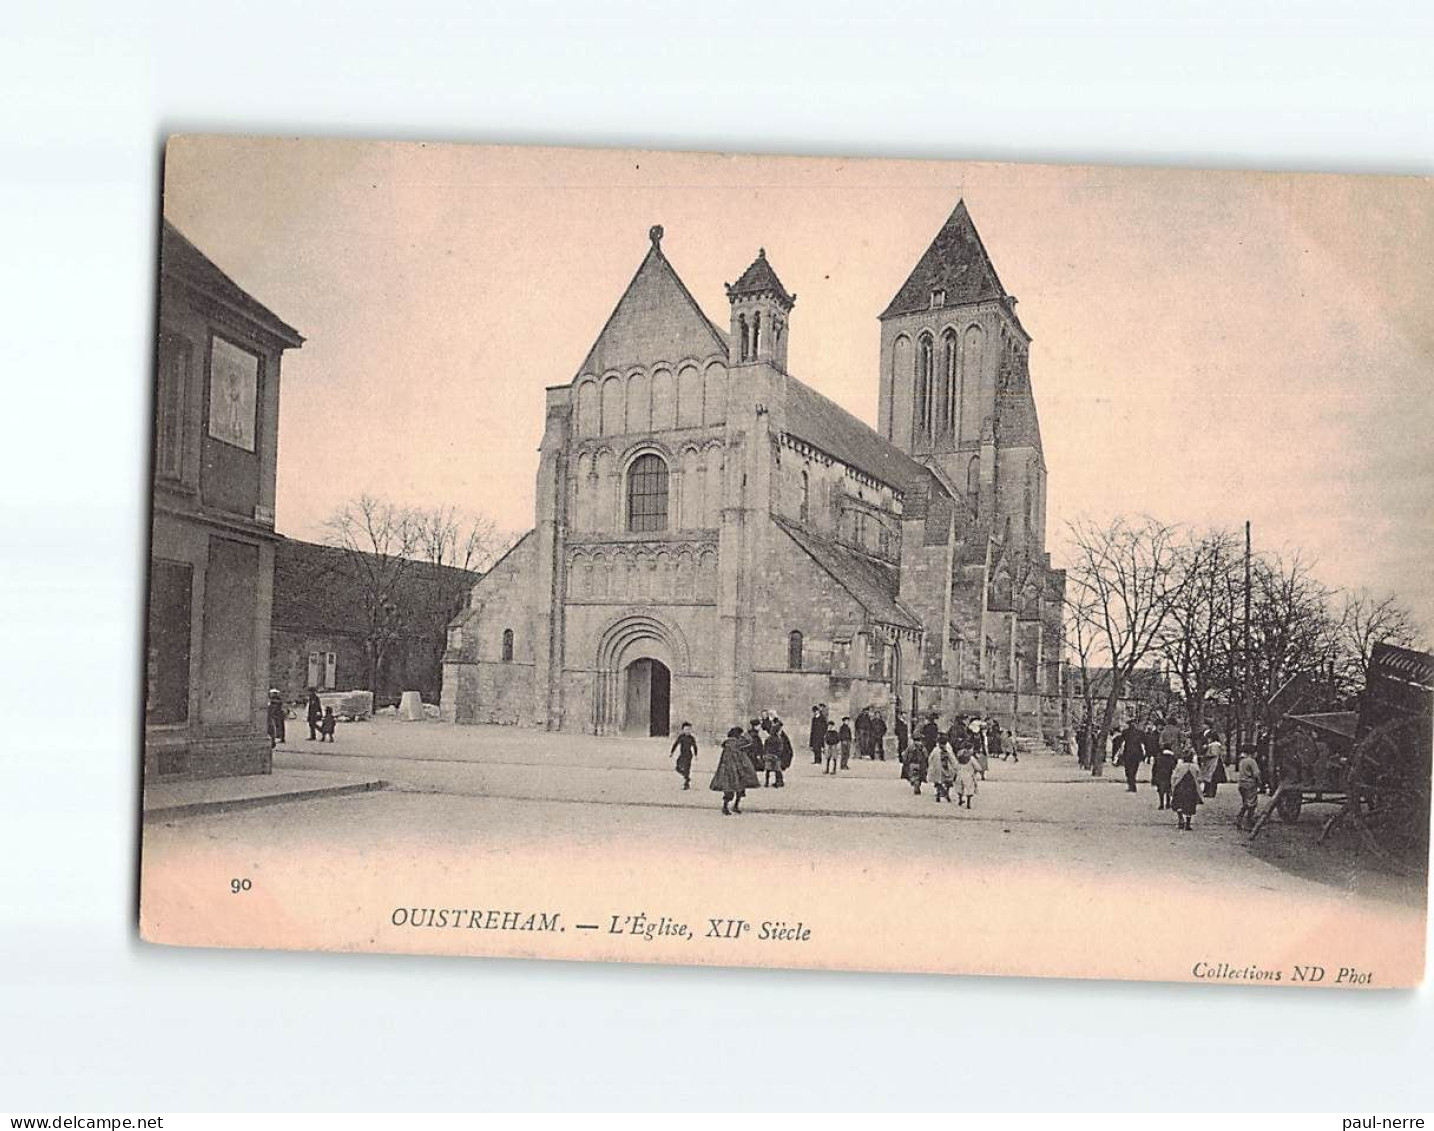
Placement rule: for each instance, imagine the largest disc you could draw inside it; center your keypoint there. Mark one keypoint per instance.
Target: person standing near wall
(817, 737)
(315, 714)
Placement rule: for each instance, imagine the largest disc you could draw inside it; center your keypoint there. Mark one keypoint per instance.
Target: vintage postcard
(707, 559)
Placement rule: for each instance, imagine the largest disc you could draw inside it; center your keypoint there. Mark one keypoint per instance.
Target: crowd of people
(1186, 768)
(955, 757)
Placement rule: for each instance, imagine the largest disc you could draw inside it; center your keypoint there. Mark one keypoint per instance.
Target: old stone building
(713, 536)
(212, 540)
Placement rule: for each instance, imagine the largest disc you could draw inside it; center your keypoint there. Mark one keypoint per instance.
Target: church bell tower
(761, 311)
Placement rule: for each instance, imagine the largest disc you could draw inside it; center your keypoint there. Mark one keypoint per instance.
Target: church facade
(714, 537)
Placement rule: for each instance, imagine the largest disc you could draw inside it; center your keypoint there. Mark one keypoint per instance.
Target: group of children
(944, 767)
(1179, 784)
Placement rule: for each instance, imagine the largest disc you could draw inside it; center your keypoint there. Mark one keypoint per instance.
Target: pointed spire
(955, 266)
(760, 279)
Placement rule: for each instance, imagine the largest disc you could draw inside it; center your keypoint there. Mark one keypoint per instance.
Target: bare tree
(379, 541)
(1080, 616)
(1293, 629)
(1364, 622)
(455, 540)
(1128, 576)
(1201, 632)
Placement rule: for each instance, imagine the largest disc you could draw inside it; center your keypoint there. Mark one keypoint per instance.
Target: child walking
(917, 761)
(686, 749)
(966, 778)
(833, 745)
(1185, 790)
(942, 769)
(1163, 767)
(327, 725)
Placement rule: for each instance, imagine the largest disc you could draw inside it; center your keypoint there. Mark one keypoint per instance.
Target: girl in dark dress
(1185, 790)
(735, 774)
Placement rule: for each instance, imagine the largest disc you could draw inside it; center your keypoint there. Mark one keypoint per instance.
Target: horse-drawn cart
(1374, 763)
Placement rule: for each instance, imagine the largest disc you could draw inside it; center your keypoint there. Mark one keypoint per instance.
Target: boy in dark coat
(1161, 769)
(816, 740)
(844, 736)
(685, 747)
(327, 725)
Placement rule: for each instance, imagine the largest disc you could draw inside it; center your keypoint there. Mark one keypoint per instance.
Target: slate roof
(1020, 424)
(957, 263)
(873, 584)
(825, 425)
(315, 589)
(180, 259)
(760, 279)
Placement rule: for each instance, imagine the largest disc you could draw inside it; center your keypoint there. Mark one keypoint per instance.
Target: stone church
(713, 536)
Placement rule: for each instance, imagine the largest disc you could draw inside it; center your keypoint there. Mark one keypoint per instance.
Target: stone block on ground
(410, 707)
(348, 704)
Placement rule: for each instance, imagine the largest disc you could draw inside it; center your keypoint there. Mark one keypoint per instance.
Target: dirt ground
(1046, 854)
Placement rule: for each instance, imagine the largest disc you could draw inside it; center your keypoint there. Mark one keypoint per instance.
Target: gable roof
(957, 263)
(872, 584)
(180, 259)
(656, 316)
(760, 279)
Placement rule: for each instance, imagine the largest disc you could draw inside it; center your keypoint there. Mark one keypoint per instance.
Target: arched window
(507, 645)
(743, 352)
(949, 401)
(973, 479)
(756, 332)
(924, 372)
(794, 651)
(805, 511)
(647, 494)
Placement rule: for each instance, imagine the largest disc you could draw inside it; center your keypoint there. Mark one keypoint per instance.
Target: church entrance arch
(648, 698)
(639, 664)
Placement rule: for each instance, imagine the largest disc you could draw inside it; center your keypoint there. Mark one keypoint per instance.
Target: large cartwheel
(1387, 792)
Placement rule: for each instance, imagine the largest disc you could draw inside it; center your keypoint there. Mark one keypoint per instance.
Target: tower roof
(957, 263)
(760, 279)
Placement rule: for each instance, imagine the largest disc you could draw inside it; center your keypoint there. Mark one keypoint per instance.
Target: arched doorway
(648, 697)
(637, 680)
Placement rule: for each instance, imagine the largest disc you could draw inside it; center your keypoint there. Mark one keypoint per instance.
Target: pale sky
(1208, 347)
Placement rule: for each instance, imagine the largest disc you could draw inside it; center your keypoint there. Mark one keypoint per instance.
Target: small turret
(761, 309)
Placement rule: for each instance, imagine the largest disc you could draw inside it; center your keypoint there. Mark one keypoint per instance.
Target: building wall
(481, 682)
(213, 514)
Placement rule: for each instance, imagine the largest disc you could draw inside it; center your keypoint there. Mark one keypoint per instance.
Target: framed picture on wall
(233, 393)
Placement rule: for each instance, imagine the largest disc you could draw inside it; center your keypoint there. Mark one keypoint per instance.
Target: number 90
(236, 886)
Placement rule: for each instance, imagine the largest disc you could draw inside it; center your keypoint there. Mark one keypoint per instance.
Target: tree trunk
(1097, 766)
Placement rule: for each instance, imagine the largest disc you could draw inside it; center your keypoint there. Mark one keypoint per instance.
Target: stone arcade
(714, 537)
